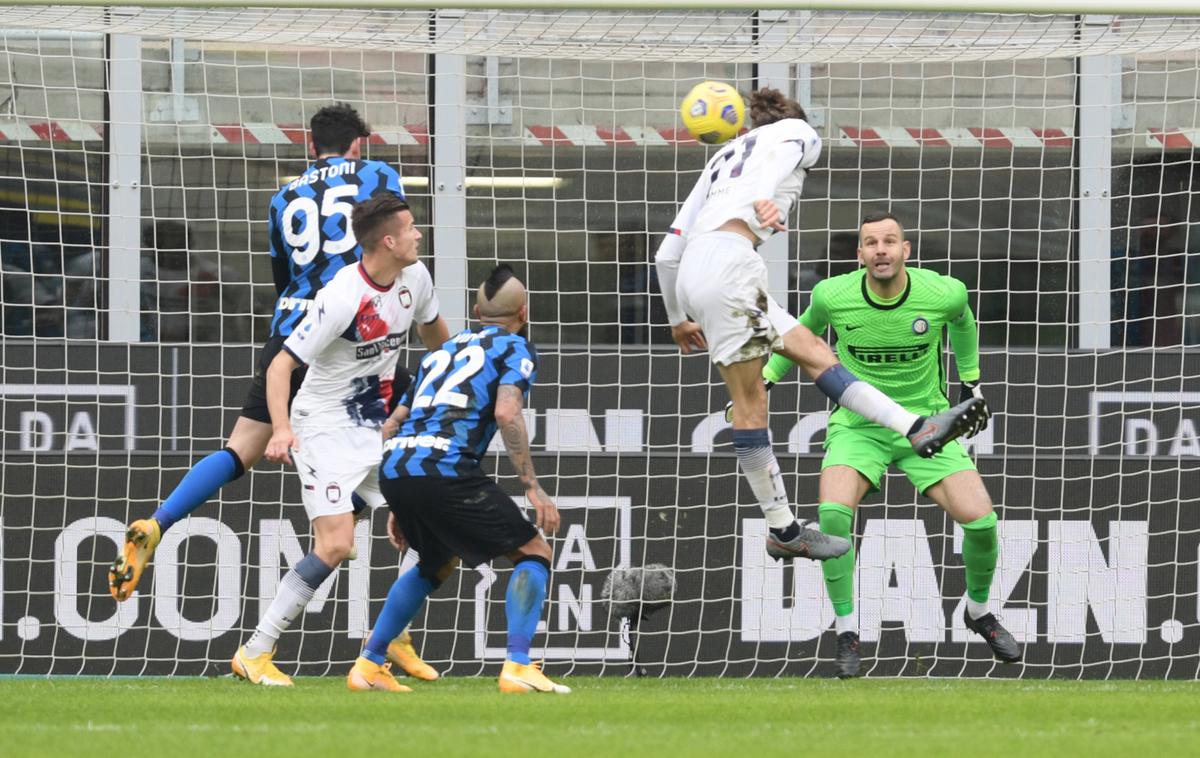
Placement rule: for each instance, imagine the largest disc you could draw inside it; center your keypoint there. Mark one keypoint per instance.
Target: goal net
(1045, 160)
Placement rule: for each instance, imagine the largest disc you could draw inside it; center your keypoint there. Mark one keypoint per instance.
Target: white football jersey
(767, 163)
(350, 339)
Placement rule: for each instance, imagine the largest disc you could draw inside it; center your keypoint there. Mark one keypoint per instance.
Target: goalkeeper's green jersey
(895, 344)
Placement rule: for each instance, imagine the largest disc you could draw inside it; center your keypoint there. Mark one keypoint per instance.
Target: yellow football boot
(402, 654)
(259, 670)
(516, 677)
(141, 538)
(368, 675)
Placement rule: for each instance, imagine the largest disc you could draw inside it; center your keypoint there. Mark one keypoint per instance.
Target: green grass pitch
(178, 718)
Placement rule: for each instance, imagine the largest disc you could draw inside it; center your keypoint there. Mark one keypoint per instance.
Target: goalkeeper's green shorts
(869, 450)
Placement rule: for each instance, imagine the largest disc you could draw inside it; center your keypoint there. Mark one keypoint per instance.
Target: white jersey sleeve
(670, 251)
(331, 314)
(686, 218)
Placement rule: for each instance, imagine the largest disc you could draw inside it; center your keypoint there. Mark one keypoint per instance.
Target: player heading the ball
(709, 269)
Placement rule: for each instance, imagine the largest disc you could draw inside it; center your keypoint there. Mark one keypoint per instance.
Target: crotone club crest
(405, 295)
(333, 493)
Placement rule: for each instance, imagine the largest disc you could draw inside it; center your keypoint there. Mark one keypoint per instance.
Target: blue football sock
(403, 601)
(213, 472)
(523, 604)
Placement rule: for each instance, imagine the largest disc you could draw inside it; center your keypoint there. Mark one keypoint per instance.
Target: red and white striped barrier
(1006, 138)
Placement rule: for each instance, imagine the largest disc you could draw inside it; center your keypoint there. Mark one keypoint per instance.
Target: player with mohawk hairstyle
(442, 503)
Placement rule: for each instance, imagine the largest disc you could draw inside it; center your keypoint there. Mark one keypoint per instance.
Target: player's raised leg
(299, 273)
(245, 447)
(927, 435)
(964, 496)
(141, 540)
(786, 537)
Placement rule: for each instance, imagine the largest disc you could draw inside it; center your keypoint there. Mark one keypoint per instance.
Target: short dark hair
(496, 280)
(769, 105)
(370, 216)
(336, 127)
(876, 216)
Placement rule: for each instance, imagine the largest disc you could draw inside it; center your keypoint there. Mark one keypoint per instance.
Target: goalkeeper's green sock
(836, 520)
(980, 550)
(777, 368)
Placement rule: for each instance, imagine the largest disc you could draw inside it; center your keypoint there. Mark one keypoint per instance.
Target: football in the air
(713, 112)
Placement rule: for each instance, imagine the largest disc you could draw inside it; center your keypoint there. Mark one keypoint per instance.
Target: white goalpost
(1042, 153)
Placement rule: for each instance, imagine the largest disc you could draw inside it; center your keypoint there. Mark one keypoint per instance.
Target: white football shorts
(332, 463)
(722, 284)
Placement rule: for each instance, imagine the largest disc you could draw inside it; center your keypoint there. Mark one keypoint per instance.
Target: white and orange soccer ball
(713, 112)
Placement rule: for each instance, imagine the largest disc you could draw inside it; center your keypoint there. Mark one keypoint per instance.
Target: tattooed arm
(509, 403)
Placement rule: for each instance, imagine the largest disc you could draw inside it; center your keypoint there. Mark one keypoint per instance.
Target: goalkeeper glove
(729, 406)
(970, 390)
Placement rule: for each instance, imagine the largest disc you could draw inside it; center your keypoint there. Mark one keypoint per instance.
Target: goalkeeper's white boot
(517, 678)
(259, 670)
(937, 430)
(368, 675)
(402, 655)
(141, 538)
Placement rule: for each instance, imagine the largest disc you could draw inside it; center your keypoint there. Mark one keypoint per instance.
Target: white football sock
(847, 623)
(873, 405)
(977, 610)
(293, 594)
(766, 482)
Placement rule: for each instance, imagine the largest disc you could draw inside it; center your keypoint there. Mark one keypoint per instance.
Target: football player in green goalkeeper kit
(889, 320)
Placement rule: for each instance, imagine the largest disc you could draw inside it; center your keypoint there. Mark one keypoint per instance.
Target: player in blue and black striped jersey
(452, 402)
(442, 503)
(309, 218)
